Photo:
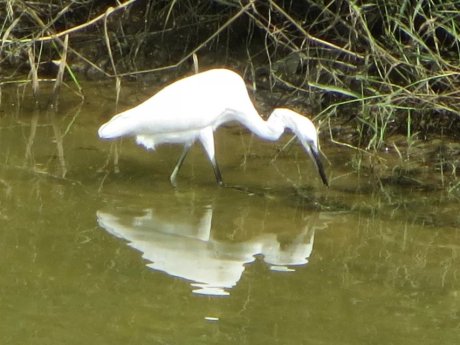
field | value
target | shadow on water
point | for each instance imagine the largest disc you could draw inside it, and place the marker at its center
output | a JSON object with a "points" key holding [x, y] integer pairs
{"points": [[359, 262]]}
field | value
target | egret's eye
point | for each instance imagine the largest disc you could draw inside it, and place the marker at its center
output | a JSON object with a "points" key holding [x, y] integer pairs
{"points": [[311, 143]]}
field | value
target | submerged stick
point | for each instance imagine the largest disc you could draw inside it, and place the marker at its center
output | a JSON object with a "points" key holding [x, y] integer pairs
{"points": [[60, 74]]}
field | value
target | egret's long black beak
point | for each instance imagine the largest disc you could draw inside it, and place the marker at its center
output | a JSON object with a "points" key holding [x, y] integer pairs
{"points": [[319, 165]]}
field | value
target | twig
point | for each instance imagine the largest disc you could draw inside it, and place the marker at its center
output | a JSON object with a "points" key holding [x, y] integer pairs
{"points": [[196, 49], [50, 37], [312, 38]]}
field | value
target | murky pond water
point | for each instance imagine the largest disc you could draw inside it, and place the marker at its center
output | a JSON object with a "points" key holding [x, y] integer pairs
{"points": [[94, 256]]}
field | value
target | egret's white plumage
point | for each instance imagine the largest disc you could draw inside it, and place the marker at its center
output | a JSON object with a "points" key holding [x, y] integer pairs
{"points": [[190, 109]]}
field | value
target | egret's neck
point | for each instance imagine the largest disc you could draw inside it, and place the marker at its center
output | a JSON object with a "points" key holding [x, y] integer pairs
{"points": [[271, 129]]}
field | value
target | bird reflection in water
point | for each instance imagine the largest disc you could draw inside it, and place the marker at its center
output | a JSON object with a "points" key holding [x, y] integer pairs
{"points": [[185, 248]]}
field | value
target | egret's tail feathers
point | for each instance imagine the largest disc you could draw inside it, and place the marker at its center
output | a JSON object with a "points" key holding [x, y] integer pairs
{"points": [[118, 126]]}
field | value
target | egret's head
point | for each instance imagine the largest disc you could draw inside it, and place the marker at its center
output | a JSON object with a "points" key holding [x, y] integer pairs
{"points": [[306, 132]]}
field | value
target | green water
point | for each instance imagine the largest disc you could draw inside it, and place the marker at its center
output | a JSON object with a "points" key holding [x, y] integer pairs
{"points": [[94, 256]]}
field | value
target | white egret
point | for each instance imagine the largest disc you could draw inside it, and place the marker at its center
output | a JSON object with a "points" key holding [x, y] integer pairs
{"points": [[192, 108]]}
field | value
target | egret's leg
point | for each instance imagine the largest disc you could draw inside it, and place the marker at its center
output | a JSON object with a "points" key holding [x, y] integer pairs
{"points": [[207, 139], [173, 176], [217, 173]]}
